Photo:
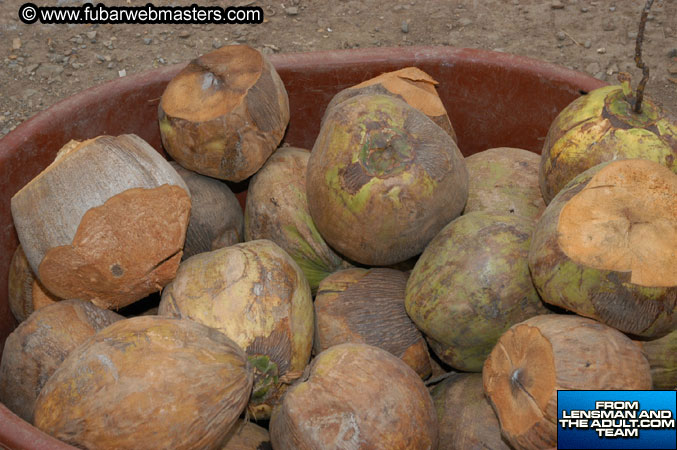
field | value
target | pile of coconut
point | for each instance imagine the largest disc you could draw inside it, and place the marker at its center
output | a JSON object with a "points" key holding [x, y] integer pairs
{"points": [[379, 290]]}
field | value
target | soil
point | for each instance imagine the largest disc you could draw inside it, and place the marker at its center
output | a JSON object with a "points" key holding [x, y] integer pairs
{"points": [[42, 64]]}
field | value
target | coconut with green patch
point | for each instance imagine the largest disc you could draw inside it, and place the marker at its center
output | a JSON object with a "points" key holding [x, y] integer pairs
{"points": [[383, 179], [504, 180], [605, 247], [471, 284], [662, 356], [277, 209], [256, 295]]}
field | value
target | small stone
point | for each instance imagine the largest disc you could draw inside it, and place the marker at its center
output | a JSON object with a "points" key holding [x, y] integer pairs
{"points": [[632, 35], [162, 61], [184, 34], [601, 50], [122, 73], [584, 9], [557, 5], [267, 51], [587, 44], [110, 65], [77, 39], [292, 11], [609, 25], [612, 8], [216, 44], [32, 67], [612, 69], [673, 69], [650, 17], [465, 22], [48, 70], [147, 41], [91, 35], [28, 93], [592, 68], [405, 27], [100, 57], [16, 44], [561, 35]]}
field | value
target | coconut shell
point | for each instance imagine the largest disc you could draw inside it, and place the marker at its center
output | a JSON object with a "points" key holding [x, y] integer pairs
{"points": [[277, 209], [247, 436], [367, 306], [605, 247], [662, 356], [412, 85], [38, 346], [105, 222], [256, 295], [466, 419], [471, 284], [383, 179], [504, 181], [356, 396], [26, 294], [147, 382], [216, 218], [541, 355], [599, 127], [225, 113]]}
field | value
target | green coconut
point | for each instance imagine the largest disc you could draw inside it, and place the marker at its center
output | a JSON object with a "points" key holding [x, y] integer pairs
{"points": [[383, 179], [605, 247], [255, 294], [504, 181], [662, 356], [471, 284], [277, 210], [602, 126]]}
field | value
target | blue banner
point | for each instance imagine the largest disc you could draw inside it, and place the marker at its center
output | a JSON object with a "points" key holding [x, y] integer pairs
{"points": [[616, 420]]}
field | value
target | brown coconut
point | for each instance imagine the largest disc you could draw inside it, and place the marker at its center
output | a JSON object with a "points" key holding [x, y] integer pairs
{"points": [[26, 294], [147, 382], [541, 355], [255, 294], [38, 346], [105, 222], [605, 247], [224, 113], [466, 419], [504, 180], [277, 209], [367, 306], [410, 84], [247, 436], [216, 218], [356, 396]]}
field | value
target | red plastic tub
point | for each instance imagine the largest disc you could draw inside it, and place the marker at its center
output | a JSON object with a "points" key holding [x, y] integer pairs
{"points": [[493, 100]]}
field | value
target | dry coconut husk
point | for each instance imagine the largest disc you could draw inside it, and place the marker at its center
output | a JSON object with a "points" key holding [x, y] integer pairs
{"points": [[224, 113], [25, 294], [105, 222]]}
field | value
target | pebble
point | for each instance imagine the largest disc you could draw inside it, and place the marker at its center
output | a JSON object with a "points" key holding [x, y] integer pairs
{"points": [[216, 44], [110, 65], [48, 70], [585, 9], [162, 61], [100, 57], [77, 39], [91, 35], [122, 73], [609, 25], [601, 50], [32, 67], [612, 69], [612, 8], [292, 11], [147, 41], [184, 34], [561, 35], [405, 26], [587, 44], [592, 68], [557, 5], [465, 22], [632, 35], [673, 69], [16, 44], [28, 93]]}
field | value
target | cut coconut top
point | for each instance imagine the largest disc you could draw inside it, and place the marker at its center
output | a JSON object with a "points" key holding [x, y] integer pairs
{"points": [[213, 84], [625, 220], [415, 86]]}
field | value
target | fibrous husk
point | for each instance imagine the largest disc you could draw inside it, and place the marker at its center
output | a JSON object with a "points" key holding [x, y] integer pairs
{"points": [[224, 113], [105, 222], [383, 179], [277, 209], [662, 356], [25, 293], [411, 84], [256, 295], [356, 396], [471, 284], [216, 218], [247, 436], [147, 382], [605, 247], [466, 419], [38, 346], [504, 181], [601, 126], [544, 354]]}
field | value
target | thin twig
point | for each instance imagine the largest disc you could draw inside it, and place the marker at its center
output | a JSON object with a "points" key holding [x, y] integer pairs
{"points": [[572, 38], [638, 58]]}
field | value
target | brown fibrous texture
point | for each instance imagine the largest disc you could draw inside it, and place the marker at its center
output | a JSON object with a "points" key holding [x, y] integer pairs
{"points": [[25, 293]]}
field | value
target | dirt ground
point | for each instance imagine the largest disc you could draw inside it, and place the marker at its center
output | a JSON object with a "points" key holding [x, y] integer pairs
{"points": [[42, 64]]}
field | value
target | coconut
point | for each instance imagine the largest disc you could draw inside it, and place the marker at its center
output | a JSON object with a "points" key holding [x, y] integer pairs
{"points": [[38, 346], [277, 209], [224, 113], [411, 85], [247, 436], [504, 181], [356, 396], [471, 284], [105, 222], [662, 356], [605, 247], [25, 294], [216, 218], [602, 126], [256, 295], [544, 354], [383, 179], [367, 306], [147, 382], [465, 417]]}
